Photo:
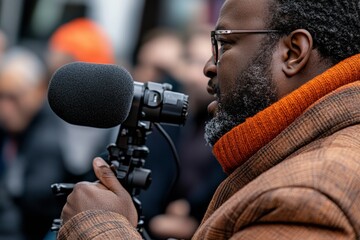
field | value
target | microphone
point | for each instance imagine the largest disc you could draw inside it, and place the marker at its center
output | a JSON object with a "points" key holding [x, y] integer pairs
{"points": [[93, 95]]}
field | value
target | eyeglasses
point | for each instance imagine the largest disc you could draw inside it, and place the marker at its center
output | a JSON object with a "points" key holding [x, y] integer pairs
{"points": [[214, 41]]}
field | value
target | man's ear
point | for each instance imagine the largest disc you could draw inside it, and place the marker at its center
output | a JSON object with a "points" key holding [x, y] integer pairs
{"points": [[298, 46]]}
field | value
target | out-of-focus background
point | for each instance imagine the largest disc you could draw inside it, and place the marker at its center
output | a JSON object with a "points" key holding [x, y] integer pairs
{"points": [[31, 22], [156, 40]]}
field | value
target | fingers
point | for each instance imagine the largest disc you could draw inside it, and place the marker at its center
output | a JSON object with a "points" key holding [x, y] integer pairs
{"points": [[66, 213], [106, 176], [72, 207]]}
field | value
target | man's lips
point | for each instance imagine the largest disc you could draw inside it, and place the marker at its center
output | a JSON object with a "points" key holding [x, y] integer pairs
{"points": [[212, 108]]}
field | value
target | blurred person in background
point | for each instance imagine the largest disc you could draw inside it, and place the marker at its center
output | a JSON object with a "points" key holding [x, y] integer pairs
{"points": [[31, 153], [189, 199], [157, 60], [32, 133], [81, 39], [169, 56], [3, 42], [158, 57]]}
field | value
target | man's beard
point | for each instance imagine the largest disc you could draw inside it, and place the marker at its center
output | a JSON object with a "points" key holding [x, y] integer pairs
{"points": [[254, 92]]}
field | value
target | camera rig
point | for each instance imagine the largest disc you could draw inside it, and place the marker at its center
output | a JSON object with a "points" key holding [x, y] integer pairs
{"points": [[153, 103]]}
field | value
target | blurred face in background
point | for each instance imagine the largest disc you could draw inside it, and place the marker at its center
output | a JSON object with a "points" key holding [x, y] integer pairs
{"points": [[159, 55], [197, 53], [20, 97], [3, 42]]}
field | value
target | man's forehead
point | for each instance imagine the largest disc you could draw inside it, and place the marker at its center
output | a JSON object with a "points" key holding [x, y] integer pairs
{"points": [[243, 14]]}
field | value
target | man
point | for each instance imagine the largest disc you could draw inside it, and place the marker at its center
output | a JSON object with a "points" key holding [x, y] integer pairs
{"points": [[285, 128]]}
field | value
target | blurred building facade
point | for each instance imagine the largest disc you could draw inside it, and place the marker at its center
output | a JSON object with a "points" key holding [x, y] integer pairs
{"points": [[31, 22]]}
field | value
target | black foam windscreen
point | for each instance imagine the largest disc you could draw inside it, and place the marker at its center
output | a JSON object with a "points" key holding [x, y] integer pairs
{"points": [[93, 95]]}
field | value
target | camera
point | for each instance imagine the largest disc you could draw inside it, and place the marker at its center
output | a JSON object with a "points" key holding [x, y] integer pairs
{"points": [[155, 102]]}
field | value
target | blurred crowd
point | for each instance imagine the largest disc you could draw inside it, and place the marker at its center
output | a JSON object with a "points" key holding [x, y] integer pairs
{"points": [[38, 149]]}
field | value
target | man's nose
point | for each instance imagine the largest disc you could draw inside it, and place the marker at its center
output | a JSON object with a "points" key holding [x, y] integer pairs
{"points": [[210, 71], [210, 68]]}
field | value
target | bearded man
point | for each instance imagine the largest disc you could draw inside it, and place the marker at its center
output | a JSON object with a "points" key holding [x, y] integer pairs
{"points": [[285, 127]]}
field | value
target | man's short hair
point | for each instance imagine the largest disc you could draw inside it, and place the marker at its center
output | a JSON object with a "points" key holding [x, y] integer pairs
{"points": [[333, 24]]}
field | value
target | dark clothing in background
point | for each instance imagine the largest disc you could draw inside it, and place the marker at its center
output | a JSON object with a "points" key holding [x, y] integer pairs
{"points": [[197, 163], [27, 204], [200, 171]]}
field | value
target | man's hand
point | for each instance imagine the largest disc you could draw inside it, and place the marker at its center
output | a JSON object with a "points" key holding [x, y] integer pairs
{"points": [[106, 194]]}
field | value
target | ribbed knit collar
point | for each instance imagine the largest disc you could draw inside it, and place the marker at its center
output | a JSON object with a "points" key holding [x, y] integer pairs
{"points": [[239, 144]]}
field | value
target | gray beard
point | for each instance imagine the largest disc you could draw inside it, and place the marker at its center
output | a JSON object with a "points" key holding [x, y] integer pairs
{"points": [[253, 93]]}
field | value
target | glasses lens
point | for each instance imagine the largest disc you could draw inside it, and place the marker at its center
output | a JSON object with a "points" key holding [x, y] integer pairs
{"points": [[214, 48]]}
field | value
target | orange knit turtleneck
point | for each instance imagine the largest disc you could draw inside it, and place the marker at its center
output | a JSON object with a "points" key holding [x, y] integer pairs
{"points": [[236, 146]]}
